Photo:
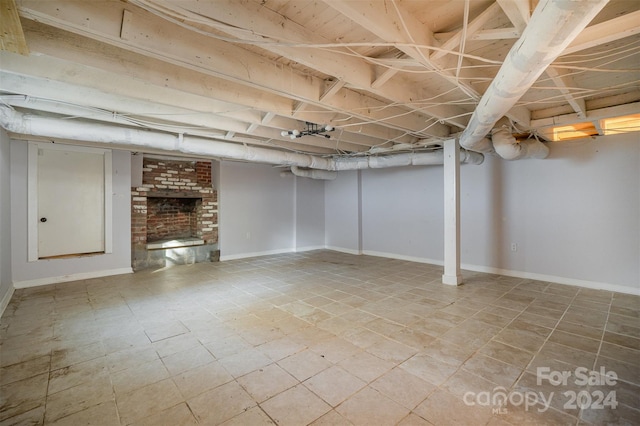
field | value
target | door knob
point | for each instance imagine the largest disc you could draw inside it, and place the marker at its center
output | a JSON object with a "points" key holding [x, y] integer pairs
{"points": [[43, 219]]}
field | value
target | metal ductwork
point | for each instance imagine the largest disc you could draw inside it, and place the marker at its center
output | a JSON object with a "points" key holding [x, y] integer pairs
{"points": [[109, 134], [553, 26]]}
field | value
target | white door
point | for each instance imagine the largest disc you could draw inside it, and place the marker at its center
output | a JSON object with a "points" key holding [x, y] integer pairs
{"points": [[70, 202]]}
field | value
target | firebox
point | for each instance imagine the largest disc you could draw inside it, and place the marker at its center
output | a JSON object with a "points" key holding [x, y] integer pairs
{"points": [[174, 215]]}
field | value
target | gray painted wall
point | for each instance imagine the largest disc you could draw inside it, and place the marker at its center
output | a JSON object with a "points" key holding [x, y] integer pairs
{"points": [[256, 210], [310, 215], [27, 273], [5, 220], [573, 216]]}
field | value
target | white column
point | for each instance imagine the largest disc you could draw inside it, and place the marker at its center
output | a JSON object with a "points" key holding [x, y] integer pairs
{"points": [[452, 274]]}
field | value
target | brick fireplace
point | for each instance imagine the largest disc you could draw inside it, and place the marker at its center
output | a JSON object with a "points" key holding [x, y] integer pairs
{"points": [[174, 214]]}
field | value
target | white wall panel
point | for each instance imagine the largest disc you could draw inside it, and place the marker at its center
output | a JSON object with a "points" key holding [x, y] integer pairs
{"points": [[256, 210], [310, 214], [342, 216]]}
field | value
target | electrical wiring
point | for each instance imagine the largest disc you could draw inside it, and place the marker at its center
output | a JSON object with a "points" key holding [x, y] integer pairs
{"points": [[270, 40]]}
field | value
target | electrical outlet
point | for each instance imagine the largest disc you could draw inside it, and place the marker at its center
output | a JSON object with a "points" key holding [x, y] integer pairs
{"points": [[514, 247]]}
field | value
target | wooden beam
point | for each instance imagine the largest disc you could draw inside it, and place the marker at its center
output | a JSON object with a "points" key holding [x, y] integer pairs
{"points": [[343, 67], [11, 34], [496, 34], [473, 27], [564, 82], [184, 54], [606, 32], [517, 11], [592, 115]]}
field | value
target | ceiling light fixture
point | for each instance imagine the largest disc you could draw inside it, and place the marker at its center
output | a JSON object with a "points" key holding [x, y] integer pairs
{"points": [[311, 130]]}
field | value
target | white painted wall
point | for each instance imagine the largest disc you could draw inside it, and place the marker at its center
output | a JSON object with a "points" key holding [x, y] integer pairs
{"points": [[6, 286], [575, 216], [310, 214], [342, 212], [256, 210], [402, 213], [57, 270]]}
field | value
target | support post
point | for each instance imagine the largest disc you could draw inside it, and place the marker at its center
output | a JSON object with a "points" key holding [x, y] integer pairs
{"points": [[452, 274]]}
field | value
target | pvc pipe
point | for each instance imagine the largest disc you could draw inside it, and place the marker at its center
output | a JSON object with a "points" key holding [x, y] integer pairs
{"points": [[553, 26]]}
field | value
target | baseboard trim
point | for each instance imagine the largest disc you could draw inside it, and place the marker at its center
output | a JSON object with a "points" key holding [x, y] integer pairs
{"points": [[71, 277], [506, 272], [403, 257], [5, 300], [255, 254], [554, 279], [343, 250], [309, 248]]}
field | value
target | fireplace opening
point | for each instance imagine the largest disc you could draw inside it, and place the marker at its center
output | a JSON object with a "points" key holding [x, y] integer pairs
{"points": [[173, 222]]}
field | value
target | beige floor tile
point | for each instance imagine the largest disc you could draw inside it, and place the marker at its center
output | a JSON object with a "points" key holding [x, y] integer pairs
{"points": [[296, 406], [23, 396], [104, 414], [175, 344], [403, 387], [267, 382], [67, 356], [448, 352], [462, 382], [220, 404], [140, 376], [130, 358], [253, 416], [443, 408], [148, 400], [493, 370], [334, 385], [335, 350], [33, 417], [304, 364], [187, 360], [429, 369], [366, 366], [575, 341], [201, 379], [505, 353], [97, 335], [332, 418], [78, 398], [362, 337], [76, 374], [178, 415], [245, 362], [391, 350], [24, 370], [413, 420], [280, 348], [369, 407]]}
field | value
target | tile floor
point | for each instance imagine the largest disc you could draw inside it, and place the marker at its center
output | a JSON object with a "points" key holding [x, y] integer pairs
{"points": [[317, 338]]}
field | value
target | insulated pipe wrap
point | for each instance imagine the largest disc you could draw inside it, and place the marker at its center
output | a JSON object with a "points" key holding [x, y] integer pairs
{"points": [[19, 123]]}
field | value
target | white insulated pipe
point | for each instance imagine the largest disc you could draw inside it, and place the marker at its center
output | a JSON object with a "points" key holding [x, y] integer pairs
{"points": [[553, 26], [314, 173], [47, 127], [507, 147]]}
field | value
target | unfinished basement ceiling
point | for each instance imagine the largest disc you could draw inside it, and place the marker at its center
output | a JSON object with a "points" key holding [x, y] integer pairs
{"points": [[388, 75]]}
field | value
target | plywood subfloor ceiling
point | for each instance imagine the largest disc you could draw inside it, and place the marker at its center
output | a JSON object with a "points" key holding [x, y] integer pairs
{"points": [[388, 75]]}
